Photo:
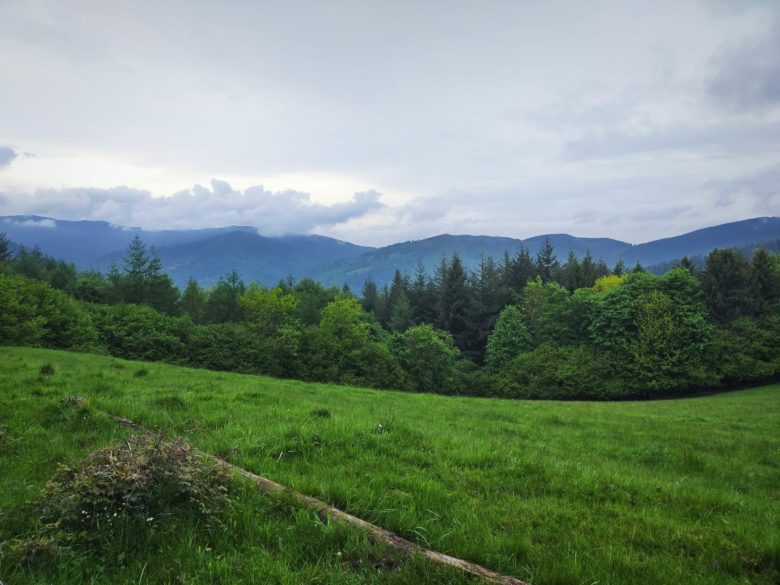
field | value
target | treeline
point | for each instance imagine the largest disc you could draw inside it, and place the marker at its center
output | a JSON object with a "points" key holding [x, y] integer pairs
{"points": [[522, 326]]}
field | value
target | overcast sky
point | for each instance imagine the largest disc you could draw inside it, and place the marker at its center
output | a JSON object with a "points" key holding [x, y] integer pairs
{"points": [[376, 122]]}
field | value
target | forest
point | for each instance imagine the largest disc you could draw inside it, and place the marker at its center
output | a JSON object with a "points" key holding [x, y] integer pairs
{"points": [[519, 326]]}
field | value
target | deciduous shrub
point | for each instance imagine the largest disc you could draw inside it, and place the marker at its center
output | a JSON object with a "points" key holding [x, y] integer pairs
{"points": [[427, 355], [34, 313], [573, 372], [138, 332]]}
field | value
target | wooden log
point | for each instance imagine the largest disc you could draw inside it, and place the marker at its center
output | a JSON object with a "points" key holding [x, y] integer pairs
{"points": [[375, 533]]}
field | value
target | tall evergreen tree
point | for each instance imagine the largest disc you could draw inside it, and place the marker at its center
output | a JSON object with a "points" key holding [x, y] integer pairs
{"points": [[520, 270], [571, 273], [454, 299], [142, 279], [620, 268], [5, 248], [727, 286], [369, 296], [590, 271], [688, 264], [223, 302], [193, 301], [547, 264], [765, 281]]}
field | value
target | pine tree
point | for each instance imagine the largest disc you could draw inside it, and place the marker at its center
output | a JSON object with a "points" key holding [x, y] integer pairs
{"points": [[142, 279], [519, 270], [547, 264], [454, 299], [402, 315], [571, 273], [193, 301], [727, 285], [688, 264], [765, 281], [620, 268], [589, 271], [369, 296], [222, 305]]}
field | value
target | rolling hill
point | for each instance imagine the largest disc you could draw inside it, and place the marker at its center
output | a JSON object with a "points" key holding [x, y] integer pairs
{"points": [[207, 254]]}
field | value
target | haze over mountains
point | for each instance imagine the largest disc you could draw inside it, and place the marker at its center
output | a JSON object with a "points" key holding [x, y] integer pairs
{"points": [[207, 254]]}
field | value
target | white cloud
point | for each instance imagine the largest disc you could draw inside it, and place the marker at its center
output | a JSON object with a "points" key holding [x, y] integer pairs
{"points": [[42, 223], [272, 213]]}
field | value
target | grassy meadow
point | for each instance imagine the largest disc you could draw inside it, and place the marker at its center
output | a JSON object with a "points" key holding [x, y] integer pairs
{"points": [[678, 491]]}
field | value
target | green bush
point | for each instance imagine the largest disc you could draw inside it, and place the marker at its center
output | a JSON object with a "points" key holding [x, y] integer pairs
{"points": [[141, 333], [34, 313], [226, 346], [428, 356], [747, 350], [560, 372]]}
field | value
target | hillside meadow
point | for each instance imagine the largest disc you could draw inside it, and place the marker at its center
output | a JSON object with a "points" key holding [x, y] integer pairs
{"points": [[678, 491]]}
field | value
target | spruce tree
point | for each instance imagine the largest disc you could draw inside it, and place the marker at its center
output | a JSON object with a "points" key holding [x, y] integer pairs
{"points": [[547, 264]]}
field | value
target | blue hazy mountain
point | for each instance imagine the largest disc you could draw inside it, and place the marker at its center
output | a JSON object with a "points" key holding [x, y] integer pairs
{"points": [[255, 257], [207, 254], [86, 242]]}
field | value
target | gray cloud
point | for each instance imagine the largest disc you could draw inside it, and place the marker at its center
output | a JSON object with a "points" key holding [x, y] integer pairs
{"points": [[760, 189], [727, 138], [507, 118], [7, 155], [271, 213], [747, 77]]}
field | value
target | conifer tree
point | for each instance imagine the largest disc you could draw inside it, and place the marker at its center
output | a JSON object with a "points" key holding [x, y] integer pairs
{"points": [[547, 264]]}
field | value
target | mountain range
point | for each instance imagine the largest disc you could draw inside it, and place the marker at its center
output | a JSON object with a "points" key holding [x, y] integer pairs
{"points": [[207, 254]]}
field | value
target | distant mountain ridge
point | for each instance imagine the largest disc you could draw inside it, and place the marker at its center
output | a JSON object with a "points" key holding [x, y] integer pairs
{"points": [[206, 254]]}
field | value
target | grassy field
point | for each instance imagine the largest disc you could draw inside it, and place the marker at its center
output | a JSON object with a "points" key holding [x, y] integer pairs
{"points": [[680, 491]]}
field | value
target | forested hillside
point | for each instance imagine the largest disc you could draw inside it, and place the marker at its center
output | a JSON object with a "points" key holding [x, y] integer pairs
{"points": [[207, 254], [520, 326]]}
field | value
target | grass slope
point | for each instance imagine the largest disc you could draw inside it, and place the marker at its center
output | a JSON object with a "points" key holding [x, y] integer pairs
{"points": [[682, 491]]}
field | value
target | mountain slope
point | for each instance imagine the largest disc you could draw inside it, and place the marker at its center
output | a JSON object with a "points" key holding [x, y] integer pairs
{"points": [[86, 242], [380, 264], [256, 258], [701, 242], [207, 254]]}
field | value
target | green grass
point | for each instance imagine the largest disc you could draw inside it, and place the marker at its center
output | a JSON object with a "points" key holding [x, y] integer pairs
{"points": [[679, 491]]}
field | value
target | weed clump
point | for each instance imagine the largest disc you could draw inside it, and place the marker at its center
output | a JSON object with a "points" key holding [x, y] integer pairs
{"points": [[142, 480], [141, 373], [47, 370], [36, 552], [321, 413]]}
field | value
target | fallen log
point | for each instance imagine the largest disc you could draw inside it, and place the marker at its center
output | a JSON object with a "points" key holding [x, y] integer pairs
{"points": [[326, 511], [374, 532]]}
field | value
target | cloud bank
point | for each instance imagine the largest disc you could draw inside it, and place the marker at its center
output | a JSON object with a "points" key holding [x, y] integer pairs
{"points": [[272, 213]]}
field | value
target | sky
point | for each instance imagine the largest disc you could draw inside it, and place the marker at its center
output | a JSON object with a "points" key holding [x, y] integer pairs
{"points": [[378, 122]]}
